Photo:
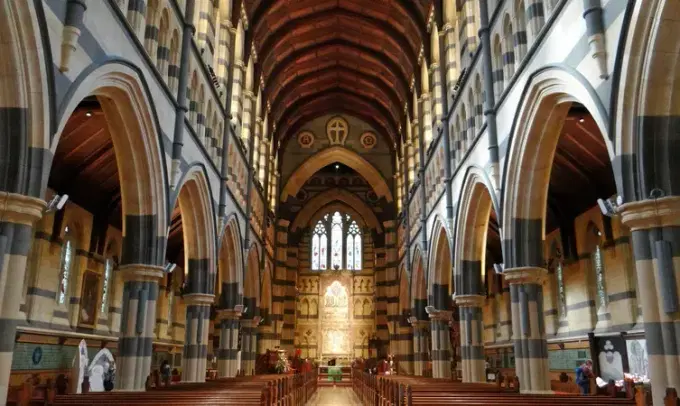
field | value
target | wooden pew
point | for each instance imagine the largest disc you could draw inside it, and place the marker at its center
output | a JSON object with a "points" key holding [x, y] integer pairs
{"points": [[262, 390], [409, 390]]}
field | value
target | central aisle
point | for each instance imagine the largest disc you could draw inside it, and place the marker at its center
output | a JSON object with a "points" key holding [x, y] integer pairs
{"points": [[340, 396]]}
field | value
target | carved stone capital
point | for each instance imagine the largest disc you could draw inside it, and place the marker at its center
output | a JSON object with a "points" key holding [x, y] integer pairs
{"points": [[646, 214], [199, 299], [469, 300], [21, 209], [526, 274], [141, 272]]}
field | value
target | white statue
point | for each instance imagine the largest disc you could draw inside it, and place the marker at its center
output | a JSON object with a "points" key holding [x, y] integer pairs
{"points": [[79, 368], [98, 368]]}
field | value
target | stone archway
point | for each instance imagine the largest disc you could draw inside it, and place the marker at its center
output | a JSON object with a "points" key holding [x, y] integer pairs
{"points": [[548, 99], [230, 301], [198, 226], [332, 155], [251, 317], [439, 300], [419, 320], [349, 199], [473, 216], [646, 170]]}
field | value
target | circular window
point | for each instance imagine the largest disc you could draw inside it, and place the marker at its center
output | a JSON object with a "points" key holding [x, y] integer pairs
{"points": [[368, 140], [306, 139]]}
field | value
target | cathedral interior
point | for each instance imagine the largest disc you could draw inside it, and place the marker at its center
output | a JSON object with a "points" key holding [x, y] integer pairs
{"points": [[477, 191]]}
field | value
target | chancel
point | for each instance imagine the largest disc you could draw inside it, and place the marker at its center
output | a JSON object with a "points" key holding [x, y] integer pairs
{"points": [[378, 202]]}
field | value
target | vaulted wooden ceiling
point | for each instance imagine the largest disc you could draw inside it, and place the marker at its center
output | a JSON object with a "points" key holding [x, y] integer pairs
{"points": [[84, 165], [357, 57]]}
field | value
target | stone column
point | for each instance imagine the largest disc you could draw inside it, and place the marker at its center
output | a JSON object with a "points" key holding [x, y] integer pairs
{"points": [[528, 329], [441, 343], [420, 350], [197, 328], [249, 344], [138, 319], [17, 217], [471, 337], [227, 357], [656, 245]]}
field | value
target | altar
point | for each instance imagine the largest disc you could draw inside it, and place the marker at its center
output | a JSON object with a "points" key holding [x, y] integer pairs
{"points": [[335, 315]]}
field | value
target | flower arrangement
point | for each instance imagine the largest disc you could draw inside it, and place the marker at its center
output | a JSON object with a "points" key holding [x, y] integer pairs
{"points": [[282, 364]]}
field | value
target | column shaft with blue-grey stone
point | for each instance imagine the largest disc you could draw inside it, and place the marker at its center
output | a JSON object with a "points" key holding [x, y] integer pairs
{"points": [[655, 226], [17, 217], [138, 320], [227, 356], [471, 337], [196, 336], [421, 339], [249, 344], [441, 343], [528, 328]]}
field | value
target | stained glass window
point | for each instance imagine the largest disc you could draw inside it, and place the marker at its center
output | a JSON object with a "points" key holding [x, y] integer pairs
{"points": [[107, 280], [171, 305], [353, 247], [336, 241], [319, 243], [350, 252], [66, 265], [599, 277], [345, 250], [357, 252], [561, 294]]}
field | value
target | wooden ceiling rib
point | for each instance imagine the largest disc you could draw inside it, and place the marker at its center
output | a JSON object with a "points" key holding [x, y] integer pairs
{"points": [[364, 48]]}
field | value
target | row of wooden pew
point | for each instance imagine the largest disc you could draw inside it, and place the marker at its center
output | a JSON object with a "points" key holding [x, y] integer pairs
{"points": [[397, 390], [261, 390]]}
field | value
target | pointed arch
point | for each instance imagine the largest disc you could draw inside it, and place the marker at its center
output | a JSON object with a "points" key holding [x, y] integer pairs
{"points": [[439, 270], [24, 93], [351, 200], [472, 222], [545, 103], [332, 155], [251, 283], [127, 104], [199, 228], [419, 289], [230, 264]]}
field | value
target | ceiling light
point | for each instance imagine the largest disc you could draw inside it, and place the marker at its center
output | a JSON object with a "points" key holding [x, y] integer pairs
{"points": [[337, 166], [581, 120], [88, 114]]}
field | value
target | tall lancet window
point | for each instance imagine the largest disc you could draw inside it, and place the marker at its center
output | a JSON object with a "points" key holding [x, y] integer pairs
{"points": [[108, 268], [345, 238], [67, 251], [353, 247], [336, 241], [319, 247]]}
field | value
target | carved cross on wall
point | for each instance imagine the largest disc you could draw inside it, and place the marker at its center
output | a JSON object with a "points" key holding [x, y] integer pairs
{"points": [[337, 131]]}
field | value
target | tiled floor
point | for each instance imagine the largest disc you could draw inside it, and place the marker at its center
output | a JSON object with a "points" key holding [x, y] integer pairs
{"points": [[338, 396]]}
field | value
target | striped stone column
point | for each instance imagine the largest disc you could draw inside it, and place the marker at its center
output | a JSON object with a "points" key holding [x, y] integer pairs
{"points": [[136, 15], [656, 246], [197, 328], [441, 343], [249, 344], [421, 338], [227, 356], [19, 213], [528, 328], [138, 319], [535, 18], [451, 57], [471, 337]]}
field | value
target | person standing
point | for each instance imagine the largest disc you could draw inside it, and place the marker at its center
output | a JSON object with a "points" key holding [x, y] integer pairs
{"points": [[583, 375], [165, 372]]}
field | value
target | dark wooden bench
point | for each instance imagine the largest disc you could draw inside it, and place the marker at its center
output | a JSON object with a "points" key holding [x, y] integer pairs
{"points": [[264, 390], [410, 390]]}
